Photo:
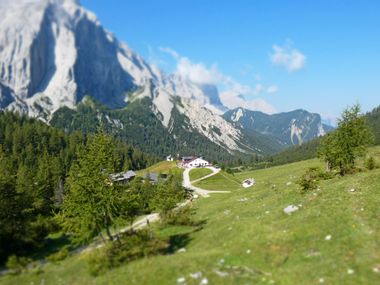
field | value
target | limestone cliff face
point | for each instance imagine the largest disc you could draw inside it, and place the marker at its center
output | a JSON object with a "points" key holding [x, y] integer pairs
{"points": [[54, 52]]}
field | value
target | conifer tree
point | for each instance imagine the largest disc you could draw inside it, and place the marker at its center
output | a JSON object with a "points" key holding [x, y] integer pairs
{"points": [[349, 141], [92, 201]]}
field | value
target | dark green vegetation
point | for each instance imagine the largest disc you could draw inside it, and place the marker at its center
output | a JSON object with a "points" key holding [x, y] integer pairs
{"points": [[35, 160], [341, 148], [305, 151], [373, 119], [93, 201]]}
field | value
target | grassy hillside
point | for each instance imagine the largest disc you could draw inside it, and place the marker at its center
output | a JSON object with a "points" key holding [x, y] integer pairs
{"points": [[334, 237], [197, 173], [160, 167], [221, 181]]}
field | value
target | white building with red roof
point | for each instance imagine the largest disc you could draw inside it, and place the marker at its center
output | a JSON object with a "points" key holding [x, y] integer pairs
{"points": [[189, 161]]}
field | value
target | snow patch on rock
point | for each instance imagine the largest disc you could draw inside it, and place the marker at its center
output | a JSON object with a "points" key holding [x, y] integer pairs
{"points": [[237, 115], [295, 132]]}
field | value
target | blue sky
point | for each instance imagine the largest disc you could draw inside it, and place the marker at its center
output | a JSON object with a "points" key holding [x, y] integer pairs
{"points": [[317, 55]]}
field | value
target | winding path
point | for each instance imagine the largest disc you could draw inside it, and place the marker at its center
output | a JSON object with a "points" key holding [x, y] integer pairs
{"points": [[144, 221], [202, 192]]}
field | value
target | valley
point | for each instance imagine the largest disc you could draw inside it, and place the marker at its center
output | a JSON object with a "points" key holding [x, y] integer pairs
{"points": [[189, 142]]}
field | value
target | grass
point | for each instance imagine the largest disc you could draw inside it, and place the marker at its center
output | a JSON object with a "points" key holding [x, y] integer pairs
{"points": [[221, 181], [249, 240], [160, 167], [197, 173]]}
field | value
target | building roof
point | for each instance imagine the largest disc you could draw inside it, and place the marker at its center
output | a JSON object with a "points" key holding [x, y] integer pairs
{"points": [[123, 175], [188, 157], [152, 177], [195, 158]]}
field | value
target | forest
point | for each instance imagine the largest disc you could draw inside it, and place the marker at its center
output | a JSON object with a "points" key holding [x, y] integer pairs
{"points": [[35, 161]]}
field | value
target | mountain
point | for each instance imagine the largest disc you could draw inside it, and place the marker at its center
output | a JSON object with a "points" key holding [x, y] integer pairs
{"points": [[289, 128], [138, 126], [54, 52], [55, 55]]}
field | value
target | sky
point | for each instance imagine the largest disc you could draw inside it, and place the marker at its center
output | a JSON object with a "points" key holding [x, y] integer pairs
{"points": [[321, 56]]}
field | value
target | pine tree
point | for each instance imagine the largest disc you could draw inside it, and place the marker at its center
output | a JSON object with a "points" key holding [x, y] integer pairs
{"points": [[341, 148], [92, 201]]}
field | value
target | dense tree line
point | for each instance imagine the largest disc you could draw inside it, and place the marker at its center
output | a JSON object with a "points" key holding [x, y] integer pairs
{"points": [[35, 160], [373, 119], [296, 153]]}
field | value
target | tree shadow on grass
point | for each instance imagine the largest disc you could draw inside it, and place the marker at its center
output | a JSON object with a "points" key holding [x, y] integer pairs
{"points": [[52, 245], [179, 241]]}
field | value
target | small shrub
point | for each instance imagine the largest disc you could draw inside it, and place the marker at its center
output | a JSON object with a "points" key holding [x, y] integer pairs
{"points": [[370, 163], [130, 246], [17, 264], [181, 216], [309, 180], [96, 263], [58, 256]]}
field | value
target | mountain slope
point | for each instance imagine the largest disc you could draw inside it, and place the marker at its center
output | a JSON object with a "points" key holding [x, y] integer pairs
{"points": [[290, 128], [139, 126]]}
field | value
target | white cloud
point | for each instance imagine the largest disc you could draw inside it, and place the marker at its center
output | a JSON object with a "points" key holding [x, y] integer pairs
{"points": [[259, 88], [198, 72], [329, 119], [169, 51], [195, 72], [233, 99], [272, 89], [292, 59], [231, 96], [258, 77]]}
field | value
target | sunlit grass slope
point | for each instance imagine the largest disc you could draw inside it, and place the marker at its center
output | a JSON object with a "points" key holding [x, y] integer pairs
{"points": [[160, 167], [197, 173], [334, 237]]}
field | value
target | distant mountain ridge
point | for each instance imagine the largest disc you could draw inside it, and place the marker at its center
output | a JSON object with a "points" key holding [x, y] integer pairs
{"points": [[289, 128]]}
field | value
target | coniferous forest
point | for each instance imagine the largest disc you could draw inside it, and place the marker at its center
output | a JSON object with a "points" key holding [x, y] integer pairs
{"points": [[35, 160]]}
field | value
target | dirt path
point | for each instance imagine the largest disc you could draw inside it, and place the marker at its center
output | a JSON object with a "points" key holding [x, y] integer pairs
{"points": [[202, 192], [141, 223], [144, 221]]}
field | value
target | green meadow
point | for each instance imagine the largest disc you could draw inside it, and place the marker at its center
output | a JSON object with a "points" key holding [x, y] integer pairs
{"points": [[244, 237], [198, 173]]}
